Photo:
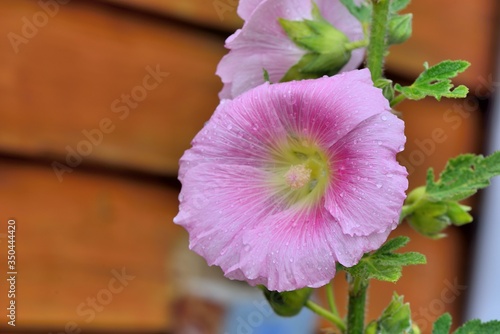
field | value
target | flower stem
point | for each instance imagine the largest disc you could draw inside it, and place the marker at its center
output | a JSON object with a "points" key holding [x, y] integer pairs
{"points": [[357, 303], [378, 41], [356, 44], [331, 298], [398, 99], [335, 319]]}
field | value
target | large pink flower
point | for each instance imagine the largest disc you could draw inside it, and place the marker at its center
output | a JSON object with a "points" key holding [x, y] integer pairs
{"points": [[289, 178], [263, 44]]}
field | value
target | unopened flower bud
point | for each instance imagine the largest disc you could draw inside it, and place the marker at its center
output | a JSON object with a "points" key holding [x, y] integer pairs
{"points": [[288, 303], [430, 218], [327, 52], [400, 28]]}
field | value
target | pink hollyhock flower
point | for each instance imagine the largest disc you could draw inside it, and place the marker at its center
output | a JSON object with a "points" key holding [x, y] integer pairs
{"points": [[289, 178], [262, 43]]}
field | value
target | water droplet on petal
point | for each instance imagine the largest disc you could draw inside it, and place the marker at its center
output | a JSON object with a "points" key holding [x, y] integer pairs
{"points": [[401, 148], [384, 117], [379, 143], [379, 185]]}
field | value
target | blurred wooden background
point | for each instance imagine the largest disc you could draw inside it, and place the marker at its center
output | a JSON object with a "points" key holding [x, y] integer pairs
{"points": [[98, 100]]}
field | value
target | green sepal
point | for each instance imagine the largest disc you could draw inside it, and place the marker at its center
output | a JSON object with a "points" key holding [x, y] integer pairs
{"points": [[315, 65], [326, 46], [384, 264], [435, 81], [288, 303], [266, 76], [387, 88], [396, 318], [459, 214], [397, 5], [363, 12], [400, 29]]}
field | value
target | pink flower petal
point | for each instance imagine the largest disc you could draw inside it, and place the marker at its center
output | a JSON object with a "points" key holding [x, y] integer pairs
{"points": [[227, 200], [368, 186], [292, 250], [247, 7]]}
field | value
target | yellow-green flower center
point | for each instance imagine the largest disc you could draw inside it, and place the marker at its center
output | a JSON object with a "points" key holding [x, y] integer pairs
{"points": [[300, 172], [298, 176]]}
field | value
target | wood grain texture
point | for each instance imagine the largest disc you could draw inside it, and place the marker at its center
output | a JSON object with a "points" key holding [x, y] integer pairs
{"points": [[79, 68], [220, 14], [76, 237]]}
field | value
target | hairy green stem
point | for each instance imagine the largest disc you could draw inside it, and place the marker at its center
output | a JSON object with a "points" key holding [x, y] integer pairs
{"points": [[378, 38], [398, 99], [331, 298], [357, 303], [335, 319]]}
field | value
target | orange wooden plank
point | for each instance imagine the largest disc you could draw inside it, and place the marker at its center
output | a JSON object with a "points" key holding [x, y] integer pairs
{"points": [[213, 13], [450, 30], [92, 251], [437, 131], [141, 89]]}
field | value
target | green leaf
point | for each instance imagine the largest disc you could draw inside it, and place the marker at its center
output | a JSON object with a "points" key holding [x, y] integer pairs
{"points": [[462, 177], [477, 327], [442, 324], [362, 12], [435, 81], [384, 264]]}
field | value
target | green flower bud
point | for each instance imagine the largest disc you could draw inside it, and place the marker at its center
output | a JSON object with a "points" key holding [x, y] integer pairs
{"points": [[430, 218], [400, 28], [326, 46], [288, 303]]}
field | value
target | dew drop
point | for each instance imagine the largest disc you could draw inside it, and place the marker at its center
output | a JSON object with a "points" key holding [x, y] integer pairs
{"points": [[291, 260], [379, 185], [401, 148], [384, 117], [379, 143]]}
